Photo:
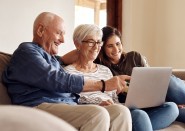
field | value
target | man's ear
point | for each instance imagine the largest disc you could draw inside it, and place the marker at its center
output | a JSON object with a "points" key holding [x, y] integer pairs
{"points": [[40, 30]]}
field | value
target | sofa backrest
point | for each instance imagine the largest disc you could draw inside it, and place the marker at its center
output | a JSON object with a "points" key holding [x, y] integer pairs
{"points": [[179, 73], [4, 60]]}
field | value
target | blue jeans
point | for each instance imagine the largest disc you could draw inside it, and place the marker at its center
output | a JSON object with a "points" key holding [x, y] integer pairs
{"points": [[176, 93], [176, 90], [181, 116], [154, 118]]}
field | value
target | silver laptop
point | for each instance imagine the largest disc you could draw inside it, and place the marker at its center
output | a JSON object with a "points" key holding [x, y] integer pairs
{"points": [[148, 87]]}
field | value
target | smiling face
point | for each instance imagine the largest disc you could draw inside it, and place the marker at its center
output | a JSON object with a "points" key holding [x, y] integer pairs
{"points": [[87, 52], [88, 41], [53, 37], [113, 49], [49, 32]]}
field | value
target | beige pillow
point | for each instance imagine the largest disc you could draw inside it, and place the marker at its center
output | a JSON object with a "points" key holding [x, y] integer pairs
{"points": [[19, 118]]}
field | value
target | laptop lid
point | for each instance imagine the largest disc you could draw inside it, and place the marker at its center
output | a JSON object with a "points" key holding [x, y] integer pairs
{"points": [[148, 87]]}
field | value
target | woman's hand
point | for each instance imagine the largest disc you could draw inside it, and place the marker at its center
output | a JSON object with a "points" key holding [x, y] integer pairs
{"points": [[181, 106], [106, 103]]}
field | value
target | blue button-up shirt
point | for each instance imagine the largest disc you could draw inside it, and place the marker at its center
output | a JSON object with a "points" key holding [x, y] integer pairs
{"points": [[34, 76]]}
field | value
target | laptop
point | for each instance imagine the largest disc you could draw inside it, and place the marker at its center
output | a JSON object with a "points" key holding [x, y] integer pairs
{"points": [[148, 87]]}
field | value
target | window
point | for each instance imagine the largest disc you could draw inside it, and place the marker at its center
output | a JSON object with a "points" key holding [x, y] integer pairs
{"points": [[91, 12], [100, 12]]}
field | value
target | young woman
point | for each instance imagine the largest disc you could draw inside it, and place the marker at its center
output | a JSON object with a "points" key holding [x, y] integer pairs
{"points": [[120, 62], [88, 43]]}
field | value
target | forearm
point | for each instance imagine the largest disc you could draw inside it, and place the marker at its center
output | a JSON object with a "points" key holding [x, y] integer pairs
{"points": [[115, 83], [91, 85], [144, 61], [70, 57], [109, 85]]}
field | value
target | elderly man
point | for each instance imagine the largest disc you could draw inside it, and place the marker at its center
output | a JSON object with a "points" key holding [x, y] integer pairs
{"points": [[35, 78]]}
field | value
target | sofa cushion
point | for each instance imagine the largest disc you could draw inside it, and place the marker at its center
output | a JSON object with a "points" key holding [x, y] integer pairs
{"points": [[4, 97], [19, 118], [176, 126]]}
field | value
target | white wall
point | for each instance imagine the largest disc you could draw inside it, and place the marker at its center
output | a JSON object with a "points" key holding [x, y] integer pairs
{"points": [[17, 16], [156, 28]]}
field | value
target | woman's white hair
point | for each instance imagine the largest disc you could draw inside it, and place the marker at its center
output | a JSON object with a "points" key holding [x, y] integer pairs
{"points": [[84, 30]]}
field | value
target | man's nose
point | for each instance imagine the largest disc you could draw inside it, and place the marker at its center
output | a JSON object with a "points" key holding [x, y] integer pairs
{"points": [[61, 39]]}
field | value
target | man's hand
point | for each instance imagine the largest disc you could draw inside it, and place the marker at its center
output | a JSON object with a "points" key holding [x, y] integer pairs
{"points": [[117, 83]]}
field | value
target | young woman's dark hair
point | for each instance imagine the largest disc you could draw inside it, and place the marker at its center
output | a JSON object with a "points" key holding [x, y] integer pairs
{"points": [[109, 31]]}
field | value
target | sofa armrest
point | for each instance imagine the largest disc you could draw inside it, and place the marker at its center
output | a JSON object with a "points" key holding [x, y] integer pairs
{"points": [[179, 73], [19, 118]]}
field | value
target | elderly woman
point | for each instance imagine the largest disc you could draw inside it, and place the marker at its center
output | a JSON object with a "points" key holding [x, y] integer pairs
{"points": [[88, 41]]}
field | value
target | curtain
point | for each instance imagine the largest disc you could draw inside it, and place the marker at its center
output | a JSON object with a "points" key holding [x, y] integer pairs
{"points": [[114, 14]]}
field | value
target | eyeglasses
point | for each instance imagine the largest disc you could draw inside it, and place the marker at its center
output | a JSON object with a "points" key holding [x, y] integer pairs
{"points": [[92, 43]]}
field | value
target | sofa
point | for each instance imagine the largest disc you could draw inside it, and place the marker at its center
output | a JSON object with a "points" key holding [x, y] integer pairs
{"points": [[6, 102], [20, 118]]}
